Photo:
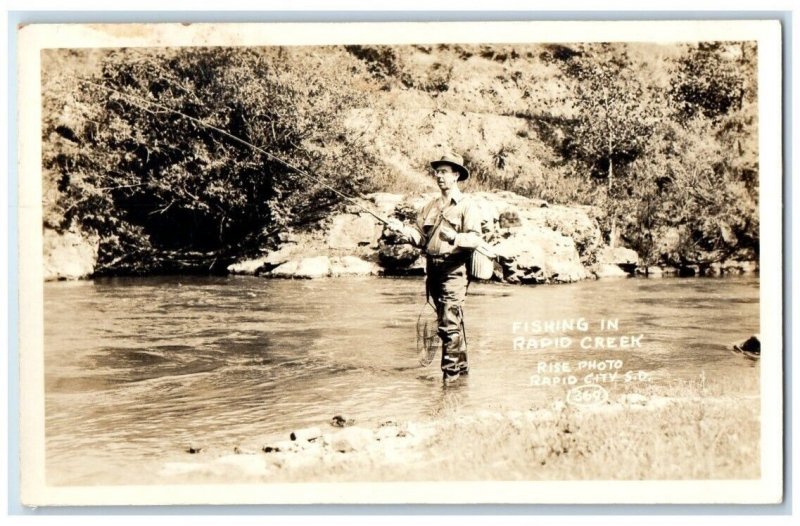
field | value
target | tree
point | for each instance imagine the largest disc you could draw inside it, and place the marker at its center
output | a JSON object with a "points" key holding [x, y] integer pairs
{"points": [[166, 193], [616, 111]]}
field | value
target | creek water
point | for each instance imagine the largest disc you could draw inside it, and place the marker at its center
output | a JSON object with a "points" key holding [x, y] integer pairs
{"points": [[139, 369]]}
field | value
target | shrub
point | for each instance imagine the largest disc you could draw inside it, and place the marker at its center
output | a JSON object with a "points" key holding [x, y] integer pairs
{"points": [[174, 194]]}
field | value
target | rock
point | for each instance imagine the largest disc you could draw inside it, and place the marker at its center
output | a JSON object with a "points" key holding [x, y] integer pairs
{"points": [[283, 446], [739, 267], [352, 439], [577, 224], [349, 231], [509, 219], [714, 269], [609, 271], [249, 267], [307, 268], [69, 255], [689, 271], [340, 421], [288, 237], [620, 256], [530, 255], [286, 270], [353, 266], [384, 202], [400, 259], [650, 272], [313, 267], [306, 435], [751, 347], [282, 255], [538, 243], [193, 450]]}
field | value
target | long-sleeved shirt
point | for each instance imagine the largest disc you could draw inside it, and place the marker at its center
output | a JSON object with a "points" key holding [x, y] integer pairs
{"points": [[460, 214]]}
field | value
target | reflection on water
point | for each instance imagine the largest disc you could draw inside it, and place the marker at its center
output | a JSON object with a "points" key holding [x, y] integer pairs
{"points": [[137, 369]]}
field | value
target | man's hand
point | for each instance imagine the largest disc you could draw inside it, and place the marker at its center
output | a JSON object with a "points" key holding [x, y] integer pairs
{"points": [[447, 234]]}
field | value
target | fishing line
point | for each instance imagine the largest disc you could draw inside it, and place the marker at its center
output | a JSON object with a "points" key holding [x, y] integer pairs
{"points": [[134, 99]]}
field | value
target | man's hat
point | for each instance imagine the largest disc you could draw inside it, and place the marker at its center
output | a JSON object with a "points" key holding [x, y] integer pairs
{"points": [[454, 160]]}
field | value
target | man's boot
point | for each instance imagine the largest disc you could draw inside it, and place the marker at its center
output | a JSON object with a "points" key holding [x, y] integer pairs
{"points": [[454, 358]]}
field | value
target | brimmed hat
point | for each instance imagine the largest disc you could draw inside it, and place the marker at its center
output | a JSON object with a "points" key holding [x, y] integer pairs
{"points": [[454, 160]]}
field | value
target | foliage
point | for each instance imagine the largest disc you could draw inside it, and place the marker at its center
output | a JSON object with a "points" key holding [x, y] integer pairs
{"points": [[169, 193], [615, 109], [662, 141], [679, 159], [714, 78]]}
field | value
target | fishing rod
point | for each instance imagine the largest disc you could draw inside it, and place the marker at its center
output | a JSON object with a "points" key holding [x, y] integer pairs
{"points": [[299, 171]]}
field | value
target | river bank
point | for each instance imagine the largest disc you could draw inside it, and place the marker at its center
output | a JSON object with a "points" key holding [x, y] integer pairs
{"points": [[688, 430], [535, 242]]}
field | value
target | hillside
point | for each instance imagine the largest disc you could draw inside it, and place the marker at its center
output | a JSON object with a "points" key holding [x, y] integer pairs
{"points": [[659, 140]]}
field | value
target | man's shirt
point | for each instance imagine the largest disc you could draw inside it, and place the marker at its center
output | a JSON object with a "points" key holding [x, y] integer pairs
{"points": [[459, 213]]}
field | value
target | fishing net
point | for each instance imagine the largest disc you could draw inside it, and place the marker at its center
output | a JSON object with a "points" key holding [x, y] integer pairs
{"points": [[428, 341]]}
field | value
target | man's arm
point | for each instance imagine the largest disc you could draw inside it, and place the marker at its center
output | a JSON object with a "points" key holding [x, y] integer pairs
{"points": [[470, 235], [413, 234], [410, 233]]}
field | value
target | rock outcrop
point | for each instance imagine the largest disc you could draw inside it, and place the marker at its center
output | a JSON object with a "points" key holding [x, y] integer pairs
{"points": [[535, 242], [69, 255]]}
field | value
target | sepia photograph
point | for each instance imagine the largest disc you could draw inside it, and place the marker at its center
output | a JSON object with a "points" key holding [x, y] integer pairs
{"points": [[422, 262]]}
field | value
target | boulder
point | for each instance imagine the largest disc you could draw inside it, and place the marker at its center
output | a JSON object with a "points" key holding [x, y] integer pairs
{"points": [[250, 267], [69, 255], [286, 270], [306, 268], [353, 266], [739, 267], [751, 347], [529, 255], [313, 267], [577, 223], [606, 270], [384, 202], [621, 256], [401, 258], [537, 242], [714, 269], [350, 231], [651, 271]]}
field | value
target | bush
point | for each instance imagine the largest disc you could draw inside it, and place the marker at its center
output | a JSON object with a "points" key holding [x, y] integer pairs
{"points": [[166, 193]]}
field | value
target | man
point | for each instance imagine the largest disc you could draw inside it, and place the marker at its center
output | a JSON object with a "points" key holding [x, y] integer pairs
{"points": [[447, 228]]}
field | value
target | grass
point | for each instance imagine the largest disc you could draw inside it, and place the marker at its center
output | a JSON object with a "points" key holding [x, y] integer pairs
{"points": [[681, 429], [690, 439]]}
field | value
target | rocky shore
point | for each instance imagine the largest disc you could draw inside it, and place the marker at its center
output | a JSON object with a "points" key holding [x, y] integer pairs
{"points": [[559, 442], [536, 243]]}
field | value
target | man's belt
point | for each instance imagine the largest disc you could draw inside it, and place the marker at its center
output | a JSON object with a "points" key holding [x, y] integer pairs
{"points": [[451, 257]]}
